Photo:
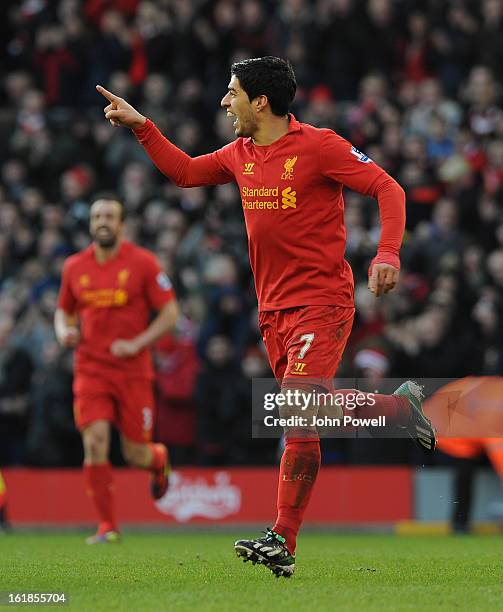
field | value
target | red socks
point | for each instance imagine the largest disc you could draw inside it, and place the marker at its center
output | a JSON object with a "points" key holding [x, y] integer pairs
{"points": [[99, 485], [298, 470], [396, 408], [159, 457], [301, 461]]}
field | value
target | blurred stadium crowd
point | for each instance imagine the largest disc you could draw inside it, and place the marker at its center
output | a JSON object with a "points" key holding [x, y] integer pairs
{"points": [[416, 85]]}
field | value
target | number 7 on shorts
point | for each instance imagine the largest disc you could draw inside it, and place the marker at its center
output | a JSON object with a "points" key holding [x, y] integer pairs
{"points": [[308, 341]]}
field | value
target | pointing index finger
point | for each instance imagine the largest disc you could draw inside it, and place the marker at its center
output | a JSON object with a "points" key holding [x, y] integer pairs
{"points": [[108, 94], [373, 279]]}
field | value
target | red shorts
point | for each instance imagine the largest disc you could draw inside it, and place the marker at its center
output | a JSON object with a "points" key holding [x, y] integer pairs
{"points": [[126, 402], [306, 344]]}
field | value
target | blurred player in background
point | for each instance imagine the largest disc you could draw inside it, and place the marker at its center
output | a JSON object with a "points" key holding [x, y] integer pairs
{"points": [[107, 294], [291, 176], [3, 505], [468, 414]]}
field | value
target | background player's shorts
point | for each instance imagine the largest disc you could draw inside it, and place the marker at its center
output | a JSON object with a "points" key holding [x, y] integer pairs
{"points": [[305, 344], [127, 402]]}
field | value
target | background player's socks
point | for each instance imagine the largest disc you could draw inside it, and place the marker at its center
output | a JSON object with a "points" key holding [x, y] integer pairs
{"points": [[159, 456], [106, 527], [299, 467], [160, 469], [395, 408], [99, 485]]}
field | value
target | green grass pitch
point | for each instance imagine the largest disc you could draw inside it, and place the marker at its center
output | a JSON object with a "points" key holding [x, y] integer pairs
{"points": [[199, 571]]}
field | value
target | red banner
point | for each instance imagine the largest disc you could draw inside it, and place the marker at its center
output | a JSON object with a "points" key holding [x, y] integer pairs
{"points": [[203, 496]]}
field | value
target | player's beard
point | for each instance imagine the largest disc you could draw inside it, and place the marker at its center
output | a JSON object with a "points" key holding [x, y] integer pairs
{"points": [[107, 241], [246, 127]]}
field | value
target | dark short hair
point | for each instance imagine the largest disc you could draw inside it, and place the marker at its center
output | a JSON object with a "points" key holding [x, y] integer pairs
{"points": [[110, 196], [268, 76]]}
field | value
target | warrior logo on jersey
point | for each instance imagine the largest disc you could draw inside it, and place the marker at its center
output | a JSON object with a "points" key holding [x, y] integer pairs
{"points": [[288, 165], [360, 156], [163, 281], [248, 168]]}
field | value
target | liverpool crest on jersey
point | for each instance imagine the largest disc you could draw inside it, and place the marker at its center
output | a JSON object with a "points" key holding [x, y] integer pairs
{"points": [[289, 165]]}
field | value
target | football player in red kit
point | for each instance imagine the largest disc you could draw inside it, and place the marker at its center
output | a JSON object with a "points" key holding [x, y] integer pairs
{"points": [[107, 295], [291, 177]]}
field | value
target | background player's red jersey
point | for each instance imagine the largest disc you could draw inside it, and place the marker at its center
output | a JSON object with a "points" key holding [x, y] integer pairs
{"points": [[113, 300]]}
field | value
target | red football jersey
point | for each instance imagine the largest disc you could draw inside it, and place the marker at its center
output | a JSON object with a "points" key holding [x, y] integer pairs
{"points": [[113, 300], [291, 192]]}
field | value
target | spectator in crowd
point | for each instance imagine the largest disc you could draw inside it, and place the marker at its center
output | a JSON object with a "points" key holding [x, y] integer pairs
{"points": [[177, 367], [16, 370], [216, 396], [53, 439]]}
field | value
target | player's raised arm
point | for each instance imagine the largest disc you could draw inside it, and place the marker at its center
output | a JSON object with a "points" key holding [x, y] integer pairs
{"points": [[119, 112], [345, 164], [212, 169]]}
